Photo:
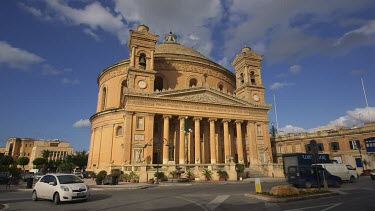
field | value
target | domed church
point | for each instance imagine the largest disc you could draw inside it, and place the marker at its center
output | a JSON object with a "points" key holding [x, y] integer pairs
{"points": [[170, 106]]}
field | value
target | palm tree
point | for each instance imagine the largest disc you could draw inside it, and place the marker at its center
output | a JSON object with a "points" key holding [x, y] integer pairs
{"points": [[45, 154]]}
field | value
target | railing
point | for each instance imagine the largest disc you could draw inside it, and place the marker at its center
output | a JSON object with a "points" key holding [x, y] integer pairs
{"points": [[170, 167]]}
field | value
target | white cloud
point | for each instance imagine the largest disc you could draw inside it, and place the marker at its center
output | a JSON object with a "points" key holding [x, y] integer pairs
{"points": [[50, 70], [91, 33], [188, 19], [292, 129], [285, 27], [295, 69], [93, 16], [82, 123], [279, 85], [68, 81], [224, 62], [16, 57], [356, 116], [363, 35]]}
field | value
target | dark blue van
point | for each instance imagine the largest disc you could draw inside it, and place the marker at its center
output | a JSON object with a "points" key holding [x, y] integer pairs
{"points": [[306, 176]]}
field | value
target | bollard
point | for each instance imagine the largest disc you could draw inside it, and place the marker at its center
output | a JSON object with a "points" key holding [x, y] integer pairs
{"points": [[258, 186]]}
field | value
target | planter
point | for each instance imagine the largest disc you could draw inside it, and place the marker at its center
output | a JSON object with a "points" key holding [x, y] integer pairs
{"points": [[99, 182], [132, 180], [222, 179], [151, 181], [367, 172]]}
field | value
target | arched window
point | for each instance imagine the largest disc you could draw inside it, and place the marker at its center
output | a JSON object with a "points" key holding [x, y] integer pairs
{"points": [[252, 78], [242, 80], [104, 97], [220, 87], [193, 82], [158, 84], [142, 61], [119, 131]]}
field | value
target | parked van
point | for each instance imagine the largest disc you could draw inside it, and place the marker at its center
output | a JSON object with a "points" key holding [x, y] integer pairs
{"points": [[340, 170], [307, 176]]}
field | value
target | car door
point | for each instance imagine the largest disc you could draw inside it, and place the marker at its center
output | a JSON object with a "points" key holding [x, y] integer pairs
{"points": [[50, 189], [41, 187]]}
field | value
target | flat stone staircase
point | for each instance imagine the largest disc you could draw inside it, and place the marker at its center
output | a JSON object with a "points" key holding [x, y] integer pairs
{"points": [[253, 172]]}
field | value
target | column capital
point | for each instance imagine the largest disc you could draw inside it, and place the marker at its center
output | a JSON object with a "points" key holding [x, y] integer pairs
{"points": [[196, 118], [167, 116], [251, 121], [238, 121], [226, 120], [212, 119], [182, 117]]}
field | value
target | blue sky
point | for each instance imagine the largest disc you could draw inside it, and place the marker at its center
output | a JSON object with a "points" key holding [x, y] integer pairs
{"points": [[316, 53]]}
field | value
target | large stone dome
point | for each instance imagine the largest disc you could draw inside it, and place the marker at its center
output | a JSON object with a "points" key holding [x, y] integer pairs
{"points": [[176, 49]]}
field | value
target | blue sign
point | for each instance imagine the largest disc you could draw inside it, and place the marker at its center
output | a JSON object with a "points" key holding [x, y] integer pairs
{"points": [[370, 144]]}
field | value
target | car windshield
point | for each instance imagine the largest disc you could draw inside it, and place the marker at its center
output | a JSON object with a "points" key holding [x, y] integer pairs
{"points": [[67, 179]]}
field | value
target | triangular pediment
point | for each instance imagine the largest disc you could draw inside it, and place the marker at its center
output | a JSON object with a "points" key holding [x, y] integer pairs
{"points": [[203, 95]]}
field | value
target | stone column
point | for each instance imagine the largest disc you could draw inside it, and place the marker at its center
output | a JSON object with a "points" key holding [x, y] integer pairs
{"points": [[267, 143], [166, 139], [127, 134], [197, 137], [152, 60], [226, 140], [239, 141], [183, 135], [253, 151], [132, 57], [149, 135], [212, 140]]}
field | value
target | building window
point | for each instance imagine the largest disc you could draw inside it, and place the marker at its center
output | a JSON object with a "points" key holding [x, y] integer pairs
{"points": [[104, 96], [193, 82], [140, 123], [354, 145], [320, 147], [119, 131], [289, 149], [280, 149], [252, 78], [142, 61], [242, 80], [158, 84], [335, 146], [259, 130], [220, 87], [54, 144], [28, 154]]}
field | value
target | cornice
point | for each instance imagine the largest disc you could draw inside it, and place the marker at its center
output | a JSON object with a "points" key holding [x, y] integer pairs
{"points": [[122, 62]]}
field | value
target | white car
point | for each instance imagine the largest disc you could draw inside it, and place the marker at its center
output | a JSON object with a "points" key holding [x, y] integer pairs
{"points": [[61, 187]]}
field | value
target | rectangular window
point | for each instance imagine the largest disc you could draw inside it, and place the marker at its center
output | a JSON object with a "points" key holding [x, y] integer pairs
{"points": [[354, 145], [320, 147], [54, 144], [259, 130], [335, 146], [140, 123]]}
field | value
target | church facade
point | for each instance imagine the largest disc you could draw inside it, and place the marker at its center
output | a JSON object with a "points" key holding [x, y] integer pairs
{"points": [[169, 105]]}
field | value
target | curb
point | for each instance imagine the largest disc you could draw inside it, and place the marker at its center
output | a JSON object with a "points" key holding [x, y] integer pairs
{"points": [[297, 198], [120, 188], [4, 206]]}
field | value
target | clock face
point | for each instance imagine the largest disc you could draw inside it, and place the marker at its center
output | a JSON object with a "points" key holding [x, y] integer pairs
{"points": [[142, 84], [256, 97]]}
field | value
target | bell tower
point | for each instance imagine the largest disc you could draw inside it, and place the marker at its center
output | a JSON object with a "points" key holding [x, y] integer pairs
{"points": [[247, 67], [141, 73]]}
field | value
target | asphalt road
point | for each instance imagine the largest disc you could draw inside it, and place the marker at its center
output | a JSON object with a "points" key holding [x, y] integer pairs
{"points": [[202, 196]]}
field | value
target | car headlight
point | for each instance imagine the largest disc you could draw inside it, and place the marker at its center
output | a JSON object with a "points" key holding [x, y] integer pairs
{"points": [[64, 188]]}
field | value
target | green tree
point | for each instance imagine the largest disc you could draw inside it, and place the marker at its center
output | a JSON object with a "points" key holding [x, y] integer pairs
{"points": [[23, 161], [65, 167], [80, 159], [45, 154], [39, 162], [6, 160]]}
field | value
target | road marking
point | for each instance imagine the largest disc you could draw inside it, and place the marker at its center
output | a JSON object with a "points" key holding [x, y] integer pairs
{"points": [[201, 206], [329, 206], [212, 205]]}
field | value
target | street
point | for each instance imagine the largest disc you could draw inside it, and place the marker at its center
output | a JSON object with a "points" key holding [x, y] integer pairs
{"points": [[201, 196]]}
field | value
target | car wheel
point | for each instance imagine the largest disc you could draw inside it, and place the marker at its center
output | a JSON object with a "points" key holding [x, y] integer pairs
{"points": [[56, 198], [352, 179], [35, 196], [308, 185]]}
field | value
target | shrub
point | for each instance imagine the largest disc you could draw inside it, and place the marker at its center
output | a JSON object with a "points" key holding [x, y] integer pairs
{"points": [[159, 175], [240, 168], [133, 175], [207, 174], [222, 174], [101, 176], [173, 174], [116, 172], [189, 174]]}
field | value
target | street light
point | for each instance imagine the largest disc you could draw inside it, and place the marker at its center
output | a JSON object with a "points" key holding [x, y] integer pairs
{"points": [[157, 143]]}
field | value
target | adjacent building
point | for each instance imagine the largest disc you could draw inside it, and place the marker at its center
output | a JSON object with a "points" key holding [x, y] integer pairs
{"points": [[33, 148], [168, 104], [354, 146]]}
